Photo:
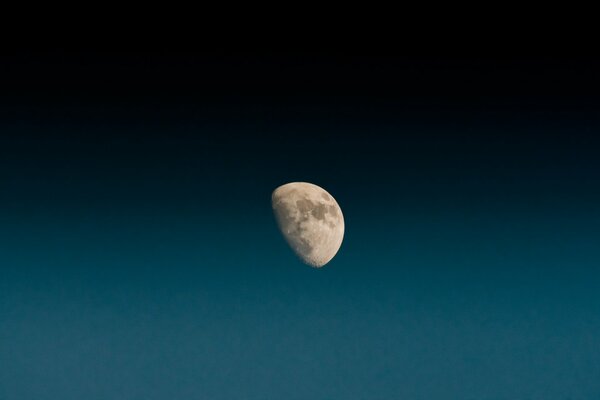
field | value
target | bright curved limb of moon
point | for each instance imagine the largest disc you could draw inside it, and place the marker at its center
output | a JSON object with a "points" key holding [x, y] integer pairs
{"points": [[310, 220]]}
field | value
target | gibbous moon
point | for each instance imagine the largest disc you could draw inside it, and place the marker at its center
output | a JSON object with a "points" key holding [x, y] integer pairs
{"points": [[310, 220]]}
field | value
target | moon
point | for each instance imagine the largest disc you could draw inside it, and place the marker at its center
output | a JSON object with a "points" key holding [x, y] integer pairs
{"points": [[310, 220]]}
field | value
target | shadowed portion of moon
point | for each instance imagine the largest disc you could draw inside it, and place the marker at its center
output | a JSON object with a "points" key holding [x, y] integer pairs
{"points": [[310, 220]]}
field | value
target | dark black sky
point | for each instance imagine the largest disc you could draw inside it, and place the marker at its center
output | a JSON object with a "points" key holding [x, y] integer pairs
{"points": [[368, 81]]}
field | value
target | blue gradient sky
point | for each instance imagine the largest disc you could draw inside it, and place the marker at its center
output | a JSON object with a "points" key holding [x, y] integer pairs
{"points": [[139, 258]]}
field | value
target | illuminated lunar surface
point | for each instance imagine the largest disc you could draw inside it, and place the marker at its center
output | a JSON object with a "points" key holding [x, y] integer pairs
{"points": [[310, 220]]}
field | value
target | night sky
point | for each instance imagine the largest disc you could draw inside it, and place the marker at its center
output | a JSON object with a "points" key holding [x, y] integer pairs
{"points": [[140, 259]]}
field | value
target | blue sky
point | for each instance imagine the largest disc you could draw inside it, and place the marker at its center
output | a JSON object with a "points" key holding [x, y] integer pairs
{"points": [[139, 257]]}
